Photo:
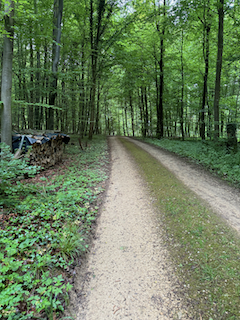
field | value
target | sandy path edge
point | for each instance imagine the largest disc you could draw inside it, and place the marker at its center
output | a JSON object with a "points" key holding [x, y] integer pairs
{"points": [[127, 274]]}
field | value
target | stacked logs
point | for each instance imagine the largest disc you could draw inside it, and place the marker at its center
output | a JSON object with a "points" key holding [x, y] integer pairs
{"points": [[41, 149], [46, 154]]}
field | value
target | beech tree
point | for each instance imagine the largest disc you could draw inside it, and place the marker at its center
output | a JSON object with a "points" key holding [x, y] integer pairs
{"points": [[6, 85], [218, 67], [57, 21]]}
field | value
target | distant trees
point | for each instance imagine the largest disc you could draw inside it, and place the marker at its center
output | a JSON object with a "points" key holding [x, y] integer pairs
{"points": [[150, 69]]}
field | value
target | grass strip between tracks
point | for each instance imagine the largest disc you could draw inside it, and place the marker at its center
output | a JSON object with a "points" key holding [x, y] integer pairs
{"points": [[205, 251]]}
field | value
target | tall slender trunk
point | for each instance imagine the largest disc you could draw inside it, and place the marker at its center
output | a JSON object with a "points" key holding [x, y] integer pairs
{"points": [[206, 33], [146, 113], [58, 10], [126, 122], [93, 73], [141, 106], [218, 68], [37, 109], [98, 111], [30, 107], [82, 107], [6, 88], [159, 132], [182, 90], [132, 114]]}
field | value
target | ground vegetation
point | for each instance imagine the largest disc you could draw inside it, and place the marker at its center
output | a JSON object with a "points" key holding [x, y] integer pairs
{"points": [[46, 223]]}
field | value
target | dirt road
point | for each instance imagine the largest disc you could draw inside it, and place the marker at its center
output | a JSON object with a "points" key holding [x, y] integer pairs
{"points": [[130, 276], [225, 200]]}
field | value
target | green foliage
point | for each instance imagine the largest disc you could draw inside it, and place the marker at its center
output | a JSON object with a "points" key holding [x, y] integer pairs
{"points": [[46, 231], [10, 170]]}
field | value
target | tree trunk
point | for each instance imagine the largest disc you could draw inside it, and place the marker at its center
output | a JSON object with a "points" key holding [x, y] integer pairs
{"points": [[37, 109], [182, 91], [141, 108], [161, 80], [126, 122], [146, 113], [6, 88], [93, 69], [218, 69], [82, 107], [30, 107], [206, 32], [132, 113], [58, 10], [98, 111]]}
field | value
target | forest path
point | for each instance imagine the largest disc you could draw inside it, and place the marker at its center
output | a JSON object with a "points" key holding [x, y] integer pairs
{"points": [[224, 199], [129, 273]]}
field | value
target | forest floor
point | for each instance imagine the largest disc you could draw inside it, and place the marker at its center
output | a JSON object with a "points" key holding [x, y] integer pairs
{"points": [[128, 273]]}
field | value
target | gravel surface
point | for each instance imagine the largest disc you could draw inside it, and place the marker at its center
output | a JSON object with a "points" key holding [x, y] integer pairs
{"points": [[128, 274]]}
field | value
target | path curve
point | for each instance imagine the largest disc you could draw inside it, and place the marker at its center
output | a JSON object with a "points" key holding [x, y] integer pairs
{"points": [[224, 199], [130, 275]]}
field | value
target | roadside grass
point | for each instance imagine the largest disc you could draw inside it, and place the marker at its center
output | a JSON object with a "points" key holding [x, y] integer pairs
{"points": [[215, 157], [204, 250], [43, 233]]}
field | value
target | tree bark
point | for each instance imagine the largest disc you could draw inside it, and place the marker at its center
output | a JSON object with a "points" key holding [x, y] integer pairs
{"points": [[182, 91], [132, 113], [206, 32], [159, 132], [58, 10], [30, 107], [6, 88], [218, 68], [146, 131]]}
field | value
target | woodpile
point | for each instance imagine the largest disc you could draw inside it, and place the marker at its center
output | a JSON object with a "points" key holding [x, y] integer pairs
{"points": [[43, 150]]}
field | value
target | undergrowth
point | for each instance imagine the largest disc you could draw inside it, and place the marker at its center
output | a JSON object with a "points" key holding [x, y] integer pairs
{"points": [[205, 252], [43, 232], [214, 156]]}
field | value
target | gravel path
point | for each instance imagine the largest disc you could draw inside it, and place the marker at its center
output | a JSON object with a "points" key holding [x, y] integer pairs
{"points": [[129, 274], [225, 200]]}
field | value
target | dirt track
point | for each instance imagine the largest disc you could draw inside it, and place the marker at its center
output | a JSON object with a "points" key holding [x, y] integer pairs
{"points": [[128, 274], [225, 200]]}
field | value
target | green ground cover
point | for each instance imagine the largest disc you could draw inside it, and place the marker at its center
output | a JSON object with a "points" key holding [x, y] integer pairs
{"points": [[205, 251], [215, 157], [44, 227]]}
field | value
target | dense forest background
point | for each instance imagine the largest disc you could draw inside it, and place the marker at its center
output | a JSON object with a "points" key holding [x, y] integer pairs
{"points": [[150, 68]]}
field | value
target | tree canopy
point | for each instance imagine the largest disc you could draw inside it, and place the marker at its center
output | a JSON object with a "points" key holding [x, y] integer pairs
{"points": [[154, 68]]}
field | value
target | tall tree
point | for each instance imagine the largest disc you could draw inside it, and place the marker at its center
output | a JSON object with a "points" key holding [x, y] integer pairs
{"points": [[6, 88], [58, 11], [98, 27], [218, 67], [161, 31], [206, 23]]}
